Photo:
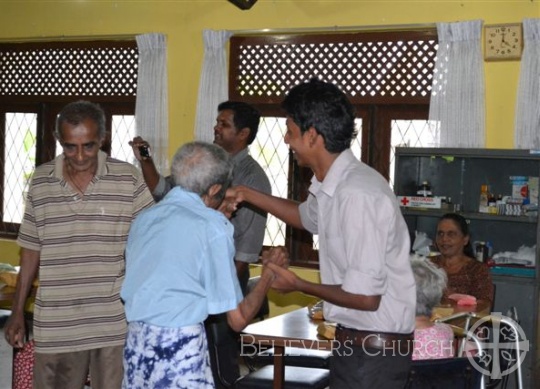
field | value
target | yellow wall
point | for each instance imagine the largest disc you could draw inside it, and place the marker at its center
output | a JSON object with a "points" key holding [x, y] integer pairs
{"points": [[10, 252], [184, 20], [281, 303]]}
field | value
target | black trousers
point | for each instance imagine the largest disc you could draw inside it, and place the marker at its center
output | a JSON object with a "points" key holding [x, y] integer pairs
{"points": [[356, 367]]}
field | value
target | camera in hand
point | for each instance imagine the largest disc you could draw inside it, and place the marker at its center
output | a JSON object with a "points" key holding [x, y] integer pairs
{"points": [[144, 151]]}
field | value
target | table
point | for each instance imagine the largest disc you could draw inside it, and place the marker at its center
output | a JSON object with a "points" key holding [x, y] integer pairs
{"points": [[293, 329], [6, 294], [297, 329], [449, 310]]}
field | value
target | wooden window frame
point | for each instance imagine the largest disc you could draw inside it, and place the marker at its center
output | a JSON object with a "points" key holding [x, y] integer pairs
{"points": [[376, 110], [47, 106]]}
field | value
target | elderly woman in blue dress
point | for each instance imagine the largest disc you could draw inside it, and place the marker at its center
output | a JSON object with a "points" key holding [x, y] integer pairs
{"points": [[180, 269]]}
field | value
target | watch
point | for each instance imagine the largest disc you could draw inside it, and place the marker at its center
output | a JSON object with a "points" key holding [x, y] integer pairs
{"points": [[503, 41]]}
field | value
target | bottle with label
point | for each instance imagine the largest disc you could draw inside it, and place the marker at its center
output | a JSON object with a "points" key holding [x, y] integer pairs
{"points": [[424, 190], [483, 205], [492, 203], [481, 251]]}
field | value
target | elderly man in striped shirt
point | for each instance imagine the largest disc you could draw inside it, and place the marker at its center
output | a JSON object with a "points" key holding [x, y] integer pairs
{"points": [[78, 213]]}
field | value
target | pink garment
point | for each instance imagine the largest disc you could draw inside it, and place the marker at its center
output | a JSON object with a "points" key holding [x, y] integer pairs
{"points": [[434, 342], [463, 299]]}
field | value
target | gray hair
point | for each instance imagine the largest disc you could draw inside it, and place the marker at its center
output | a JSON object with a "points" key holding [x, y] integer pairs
{"points": [[430, 284], [196, 166], [77, 112]]}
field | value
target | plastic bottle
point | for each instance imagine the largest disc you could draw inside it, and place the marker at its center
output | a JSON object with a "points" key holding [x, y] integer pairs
{"points": [[481, 252], [483, 205], [492, 203], [424, 190]]}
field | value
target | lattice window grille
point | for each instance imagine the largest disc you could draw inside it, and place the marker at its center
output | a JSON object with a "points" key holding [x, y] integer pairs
{"points": [[402, 68], [409, 133], [271, 152], [123, 130], [96, 71], [20, 132]]}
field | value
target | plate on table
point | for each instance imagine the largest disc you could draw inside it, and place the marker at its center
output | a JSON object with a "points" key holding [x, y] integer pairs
{"points": [[315, 311]]}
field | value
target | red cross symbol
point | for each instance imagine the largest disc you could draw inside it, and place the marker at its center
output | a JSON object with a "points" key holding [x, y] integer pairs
{"points": [[405, 201]]}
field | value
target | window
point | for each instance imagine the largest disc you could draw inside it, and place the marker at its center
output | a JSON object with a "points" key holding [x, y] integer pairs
{"points": [[20, 160], [271, 152], [386, 75], [36, 81]]}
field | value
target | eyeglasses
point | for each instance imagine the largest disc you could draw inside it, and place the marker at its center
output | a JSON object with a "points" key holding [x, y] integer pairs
{"points": [[449, 234]]}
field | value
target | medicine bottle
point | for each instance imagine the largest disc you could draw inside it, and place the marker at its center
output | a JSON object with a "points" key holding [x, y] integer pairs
{"points": [[483, 204], [424, 190]]}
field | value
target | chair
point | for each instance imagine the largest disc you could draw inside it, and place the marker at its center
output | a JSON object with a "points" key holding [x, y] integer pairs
{"points": [[508, 332], [295, 356], [221, 339], [505, 330], [295, 378], [449, 373], [446, 373], [464, 327]]}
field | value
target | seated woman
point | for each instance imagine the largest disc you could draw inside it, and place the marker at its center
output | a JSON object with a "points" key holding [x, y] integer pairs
{"points": [[431, 340], [465, 274]]}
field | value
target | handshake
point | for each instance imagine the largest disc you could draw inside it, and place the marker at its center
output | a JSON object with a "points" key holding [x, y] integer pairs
{"points": [[276, 262], [276, 259]]}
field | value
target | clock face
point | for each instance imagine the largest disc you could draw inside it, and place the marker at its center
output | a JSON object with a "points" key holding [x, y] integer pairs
{"points": [[503, 41]]}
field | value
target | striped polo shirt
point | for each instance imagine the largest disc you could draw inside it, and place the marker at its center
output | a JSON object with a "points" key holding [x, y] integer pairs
{"points": [[81, 240]]}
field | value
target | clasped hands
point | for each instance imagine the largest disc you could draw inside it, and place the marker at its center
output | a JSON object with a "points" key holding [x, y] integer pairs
{"points": [[276, 261]]}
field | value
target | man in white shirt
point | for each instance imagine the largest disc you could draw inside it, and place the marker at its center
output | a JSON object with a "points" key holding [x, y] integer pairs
{"points": [[367, 282]]}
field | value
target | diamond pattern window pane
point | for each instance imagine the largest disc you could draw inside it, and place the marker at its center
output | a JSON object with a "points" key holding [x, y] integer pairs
{"points": [[20, 157], [271, 152], [20, 161], [410, 133], [123, 130], [356, 145]]}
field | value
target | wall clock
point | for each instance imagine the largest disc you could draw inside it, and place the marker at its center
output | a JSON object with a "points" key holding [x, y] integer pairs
{"points": [[503, 41]]}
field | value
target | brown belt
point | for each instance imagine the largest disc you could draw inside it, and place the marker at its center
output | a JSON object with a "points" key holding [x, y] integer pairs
{"points": [[387, 341]]}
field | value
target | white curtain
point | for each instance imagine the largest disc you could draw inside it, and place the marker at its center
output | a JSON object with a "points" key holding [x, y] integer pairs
{"points": [[527, 120], [457, 106], [151, 109], [213, 85]]}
